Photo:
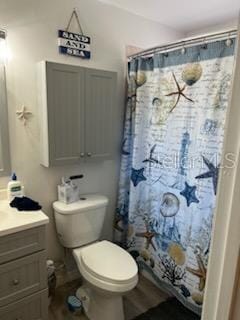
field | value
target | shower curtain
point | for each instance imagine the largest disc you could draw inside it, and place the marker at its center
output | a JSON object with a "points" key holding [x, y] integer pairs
{"points": [[171, 151]]}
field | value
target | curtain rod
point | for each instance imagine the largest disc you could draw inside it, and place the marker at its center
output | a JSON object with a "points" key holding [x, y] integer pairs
{"points": [[184, 43]]}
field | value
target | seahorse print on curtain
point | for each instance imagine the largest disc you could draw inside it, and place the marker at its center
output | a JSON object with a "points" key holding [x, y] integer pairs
{"points": [[171, 151]]}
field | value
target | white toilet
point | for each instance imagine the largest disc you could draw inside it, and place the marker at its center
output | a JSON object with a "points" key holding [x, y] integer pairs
{"points": [[108, 270]]}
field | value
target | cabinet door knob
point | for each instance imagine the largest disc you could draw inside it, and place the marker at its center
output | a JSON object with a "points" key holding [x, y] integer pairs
{"points": [[82, 154], [89, 154], [15, 282]]}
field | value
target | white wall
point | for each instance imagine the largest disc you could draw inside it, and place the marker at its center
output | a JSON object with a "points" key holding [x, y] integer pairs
{"points": [[32, 36], [227, 25]]}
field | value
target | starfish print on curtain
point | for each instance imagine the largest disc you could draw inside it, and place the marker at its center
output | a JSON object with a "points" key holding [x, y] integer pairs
{"points": [[151, 158], [148, 235], [201, 272], [190, 194], [212, 173], [179, 93], [137, 176]]}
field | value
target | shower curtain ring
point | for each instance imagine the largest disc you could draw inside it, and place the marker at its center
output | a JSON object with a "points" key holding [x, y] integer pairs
{"points": [[204, 45], [229, 41], [183, 50]]}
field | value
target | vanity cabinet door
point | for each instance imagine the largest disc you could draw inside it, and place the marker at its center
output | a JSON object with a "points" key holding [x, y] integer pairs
{"points": [[22, 277], [22, 243], [65, 107], [100, 105], [33, 307]]}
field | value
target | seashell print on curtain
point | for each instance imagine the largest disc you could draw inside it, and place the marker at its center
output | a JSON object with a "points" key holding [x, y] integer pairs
{"points": [[171, 151]]}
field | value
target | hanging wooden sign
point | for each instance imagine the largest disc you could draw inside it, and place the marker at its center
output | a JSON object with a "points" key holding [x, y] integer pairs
{"points": [[74, 44]]}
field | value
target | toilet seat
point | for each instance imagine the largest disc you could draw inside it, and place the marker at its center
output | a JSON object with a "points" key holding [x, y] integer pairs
{"points": [[107, 266]]}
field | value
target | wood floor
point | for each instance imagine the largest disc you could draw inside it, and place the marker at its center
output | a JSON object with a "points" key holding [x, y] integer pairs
{"points": [[139, 300]]}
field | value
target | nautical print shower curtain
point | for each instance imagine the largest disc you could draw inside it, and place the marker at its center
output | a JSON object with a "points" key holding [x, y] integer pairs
{"points": [[171, 151]]}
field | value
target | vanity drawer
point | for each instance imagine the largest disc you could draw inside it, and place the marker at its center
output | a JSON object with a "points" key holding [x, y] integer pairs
{"points": [[34, 307], [22, 243], [22, 277]]}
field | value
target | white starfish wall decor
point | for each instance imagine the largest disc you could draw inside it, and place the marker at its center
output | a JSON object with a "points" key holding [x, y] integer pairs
{"points": [[23, 114]]}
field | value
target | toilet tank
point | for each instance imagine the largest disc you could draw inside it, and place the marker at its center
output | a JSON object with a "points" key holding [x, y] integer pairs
{"points": [[81, 222]]}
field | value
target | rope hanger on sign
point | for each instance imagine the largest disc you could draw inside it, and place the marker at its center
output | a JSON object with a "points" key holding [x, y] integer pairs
{"points": [[75, 15]]}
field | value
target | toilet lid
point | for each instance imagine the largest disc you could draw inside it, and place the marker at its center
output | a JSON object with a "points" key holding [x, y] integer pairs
{"points": [[109, 262]]}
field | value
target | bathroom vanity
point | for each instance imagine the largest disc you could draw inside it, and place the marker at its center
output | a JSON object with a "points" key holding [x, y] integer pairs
{"points": [[23, 278]]}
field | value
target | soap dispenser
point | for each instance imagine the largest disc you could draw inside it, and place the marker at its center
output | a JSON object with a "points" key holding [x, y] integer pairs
{"points": [[14, 188]]}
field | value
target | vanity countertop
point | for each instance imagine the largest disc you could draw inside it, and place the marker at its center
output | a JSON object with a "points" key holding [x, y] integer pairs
{"points": [[12, 220]]}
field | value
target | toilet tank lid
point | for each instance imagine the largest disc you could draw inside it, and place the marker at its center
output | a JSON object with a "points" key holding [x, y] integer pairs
{"points": [[86, 202]]}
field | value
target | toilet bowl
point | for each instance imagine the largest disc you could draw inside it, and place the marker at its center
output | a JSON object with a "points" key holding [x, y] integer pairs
{"points": [[108, 272]]}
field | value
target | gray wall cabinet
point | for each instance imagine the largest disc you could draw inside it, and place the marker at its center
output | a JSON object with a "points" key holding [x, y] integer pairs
{"points": [[23, 276], [77, 113]]}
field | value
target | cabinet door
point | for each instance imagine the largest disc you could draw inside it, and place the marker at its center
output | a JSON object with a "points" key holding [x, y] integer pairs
{"points": [[34, 307], [65, 96], [22, 277], [100, 106]]}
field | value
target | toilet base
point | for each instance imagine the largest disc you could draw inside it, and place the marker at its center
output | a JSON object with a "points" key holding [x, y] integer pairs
{"points": [[98, 305]]}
